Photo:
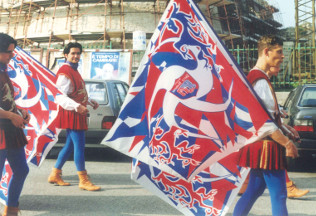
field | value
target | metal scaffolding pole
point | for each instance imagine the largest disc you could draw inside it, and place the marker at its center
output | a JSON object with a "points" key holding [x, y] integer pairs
{"points": [[105, 13], [9, 21], [228, 26], [50, 36], [17, 19], [304, 36], [26, 24], [37, 19], [70, 19], [52, 26], [43, 14], [122, 24]]}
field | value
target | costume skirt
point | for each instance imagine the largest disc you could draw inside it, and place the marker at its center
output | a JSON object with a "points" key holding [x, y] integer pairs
{"points": [[71, 120], [265, 154]]}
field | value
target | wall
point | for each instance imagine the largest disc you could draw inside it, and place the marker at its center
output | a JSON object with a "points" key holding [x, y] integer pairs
{"points": [[141, 16]]}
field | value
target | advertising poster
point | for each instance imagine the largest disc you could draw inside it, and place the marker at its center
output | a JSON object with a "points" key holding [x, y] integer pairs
{"points": [[124, 66], [104, 65]]}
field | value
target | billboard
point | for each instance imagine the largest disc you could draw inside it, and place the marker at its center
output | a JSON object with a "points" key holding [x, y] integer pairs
{"points": [[104, 65]]}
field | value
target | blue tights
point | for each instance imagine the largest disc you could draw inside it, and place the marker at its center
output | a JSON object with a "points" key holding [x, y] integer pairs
{"points": [[20, 169], [258, 181], [75, 142]]}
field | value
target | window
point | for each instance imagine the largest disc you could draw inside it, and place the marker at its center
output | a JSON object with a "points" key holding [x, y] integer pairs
{"points": [[121, 93], [308, 98], [97, 91], [289, 100]]}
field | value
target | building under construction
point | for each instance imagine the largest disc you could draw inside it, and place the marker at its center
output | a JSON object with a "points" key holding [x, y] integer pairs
{"points": [[44, 26]]}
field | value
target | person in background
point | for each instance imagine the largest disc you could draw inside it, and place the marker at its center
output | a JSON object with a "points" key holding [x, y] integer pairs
{"points": [[266, 157], [12, 121], [292, 190], [72, 116]]}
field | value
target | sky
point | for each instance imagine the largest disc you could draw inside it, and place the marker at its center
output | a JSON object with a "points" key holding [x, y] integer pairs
{"points": [[287, 11]]}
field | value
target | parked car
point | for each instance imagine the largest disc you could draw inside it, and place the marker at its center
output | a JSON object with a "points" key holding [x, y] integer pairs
{"points": [[300, 106], [110, 95]]}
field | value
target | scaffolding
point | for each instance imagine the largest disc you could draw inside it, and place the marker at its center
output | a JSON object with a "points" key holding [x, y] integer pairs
{"points": [[242, 23], [221, 19], [49, 24], [304, 59], [27, 10]]}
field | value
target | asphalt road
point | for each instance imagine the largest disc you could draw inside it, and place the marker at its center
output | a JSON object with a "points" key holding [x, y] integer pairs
{"points": [[120, 196]]}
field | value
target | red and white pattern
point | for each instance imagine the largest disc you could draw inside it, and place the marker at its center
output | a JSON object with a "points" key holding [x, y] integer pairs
{"points": [[35, 91], [189, 108]]}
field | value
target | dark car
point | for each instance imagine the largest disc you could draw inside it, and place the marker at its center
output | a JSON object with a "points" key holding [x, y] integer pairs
{"points": [[301, 108], [110, 95]]}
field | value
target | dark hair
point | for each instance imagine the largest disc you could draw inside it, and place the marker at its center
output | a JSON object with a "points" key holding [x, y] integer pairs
{"points": [[268, 41], [5, 41], [72, 45]]}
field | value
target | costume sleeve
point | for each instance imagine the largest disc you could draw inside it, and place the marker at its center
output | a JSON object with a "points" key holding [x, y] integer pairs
{"points": [[65, 86], [262, 89]]}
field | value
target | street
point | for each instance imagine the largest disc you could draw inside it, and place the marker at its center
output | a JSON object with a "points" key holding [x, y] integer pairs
{"points": [[120, 196]]}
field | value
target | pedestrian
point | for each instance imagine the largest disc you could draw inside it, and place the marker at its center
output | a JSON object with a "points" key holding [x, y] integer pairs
{"points": [[12, 121], [292, 190], [72, 117], [266, 157]]}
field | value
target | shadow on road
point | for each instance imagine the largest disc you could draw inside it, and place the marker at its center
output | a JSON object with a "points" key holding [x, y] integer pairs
{"points": [[96, 154], [95, 205]]}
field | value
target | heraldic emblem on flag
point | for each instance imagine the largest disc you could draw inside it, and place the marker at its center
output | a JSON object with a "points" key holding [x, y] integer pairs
{"points": [[189, 106], [35, 92]]}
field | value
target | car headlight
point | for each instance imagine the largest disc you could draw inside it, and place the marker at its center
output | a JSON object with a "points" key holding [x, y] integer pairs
{"points": [[303, 125]]}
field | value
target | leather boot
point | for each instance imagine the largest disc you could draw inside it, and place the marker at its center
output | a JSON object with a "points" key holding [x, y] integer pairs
{"points": [[10, 211], [293, 191], [84, 182], [55, 178]]}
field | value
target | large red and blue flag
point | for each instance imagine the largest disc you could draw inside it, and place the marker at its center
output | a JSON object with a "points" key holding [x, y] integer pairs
{"points": [[35, 92], [189, 105], [210, 192]]}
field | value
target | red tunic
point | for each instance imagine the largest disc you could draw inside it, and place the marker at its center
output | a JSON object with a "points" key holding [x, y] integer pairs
{"points": [[264, 154], [70, 119], [11, 137]]}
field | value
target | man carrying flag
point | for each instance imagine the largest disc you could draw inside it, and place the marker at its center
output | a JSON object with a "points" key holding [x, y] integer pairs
{"points": [[188, 109], [12, 138], [267, 156]]}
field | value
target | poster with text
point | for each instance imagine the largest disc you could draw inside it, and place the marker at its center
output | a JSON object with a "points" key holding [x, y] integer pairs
{"points": [[104, 65], [124, 67]]}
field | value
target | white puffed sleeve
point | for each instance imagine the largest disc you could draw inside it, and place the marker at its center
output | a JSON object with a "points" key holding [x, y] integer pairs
{"points": [[65, 86]]}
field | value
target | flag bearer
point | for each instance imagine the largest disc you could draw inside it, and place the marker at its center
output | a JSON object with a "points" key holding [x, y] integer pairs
{"points": [[266, 158], [72, 116], [12, 138]]}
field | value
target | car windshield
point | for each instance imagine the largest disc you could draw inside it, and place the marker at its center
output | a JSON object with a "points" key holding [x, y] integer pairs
{"points": [[308, 98], [97, 91]]}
